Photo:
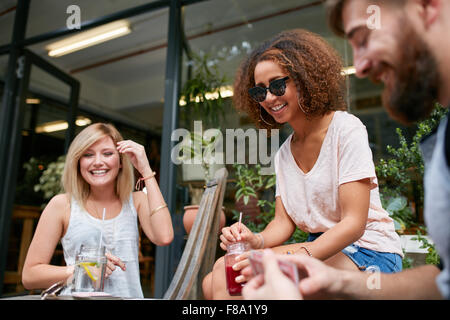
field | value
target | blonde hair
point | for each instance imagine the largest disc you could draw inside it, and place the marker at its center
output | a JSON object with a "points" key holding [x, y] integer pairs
{"points": [[72, 181]]}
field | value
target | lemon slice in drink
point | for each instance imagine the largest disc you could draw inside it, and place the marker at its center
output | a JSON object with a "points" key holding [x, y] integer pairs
{"points": [[85, 266]]}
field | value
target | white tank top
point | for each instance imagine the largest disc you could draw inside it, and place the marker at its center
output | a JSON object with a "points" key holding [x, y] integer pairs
{"points": [[120, 235]]}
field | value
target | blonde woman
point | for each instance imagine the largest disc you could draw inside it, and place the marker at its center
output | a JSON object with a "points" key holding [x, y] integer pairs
{"points": [[98, 175]]}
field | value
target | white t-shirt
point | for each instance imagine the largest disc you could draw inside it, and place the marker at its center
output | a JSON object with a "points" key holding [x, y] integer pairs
{"points": [[312, 199]]}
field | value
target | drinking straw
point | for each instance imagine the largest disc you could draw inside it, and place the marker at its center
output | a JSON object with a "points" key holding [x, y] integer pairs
{"points": [[240, 219], [101, 230]]}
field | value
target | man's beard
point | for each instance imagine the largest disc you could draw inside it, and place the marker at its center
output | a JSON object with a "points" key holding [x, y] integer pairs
{"points": [[416, 83]]}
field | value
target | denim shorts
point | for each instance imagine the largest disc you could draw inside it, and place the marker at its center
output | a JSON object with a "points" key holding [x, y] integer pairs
{"points": [[369, 260]]}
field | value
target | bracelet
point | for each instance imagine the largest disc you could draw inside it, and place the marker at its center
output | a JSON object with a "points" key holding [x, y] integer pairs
{"points": [[307, 251], [140, 180], [261, 243], [157, 209]]}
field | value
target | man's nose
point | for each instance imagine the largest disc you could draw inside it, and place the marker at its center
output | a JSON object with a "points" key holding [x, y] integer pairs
{"points": [[362, 66]]}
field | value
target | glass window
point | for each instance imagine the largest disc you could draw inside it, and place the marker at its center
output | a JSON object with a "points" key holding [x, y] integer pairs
{"points": [[49, 15], [7, 14], [231, 29]]}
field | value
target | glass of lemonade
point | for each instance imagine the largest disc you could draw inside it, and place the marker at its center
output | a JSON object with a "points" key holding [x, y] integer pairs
{"points": [[90, 266]]}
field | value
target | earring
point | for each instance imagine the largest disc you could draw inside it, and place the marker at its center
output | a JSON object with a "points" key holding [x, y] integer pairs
{"points": [[260, 115], [300, 106]]}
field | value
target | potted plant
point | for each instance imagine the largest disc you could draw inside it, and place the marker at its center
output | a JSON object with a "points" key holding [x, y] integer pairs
{"points": [[402, 175], [401, 184], [205, 155], [199, 159], [249, 184], [50, 180], [201, 101]]}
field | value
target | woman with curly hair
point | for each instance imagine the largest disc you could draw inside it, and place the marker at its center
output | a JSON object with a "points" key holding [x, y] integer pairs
{"points": [[325, 177]]}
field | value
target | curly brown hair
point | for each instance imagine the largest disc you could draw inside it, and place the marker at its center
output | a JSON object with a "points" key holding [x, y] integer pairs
{"points": [[313, 65]]}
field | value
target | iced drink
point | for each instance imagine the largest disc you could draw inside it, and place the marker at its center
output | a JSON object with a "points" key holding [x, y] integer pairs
{"points": [[90, 266], [233, 250]]}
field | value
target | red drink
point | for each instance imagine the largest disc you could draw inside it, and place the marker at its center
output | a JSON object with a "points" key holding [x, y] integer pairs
{"points": [[233, 250], [234, 288]]}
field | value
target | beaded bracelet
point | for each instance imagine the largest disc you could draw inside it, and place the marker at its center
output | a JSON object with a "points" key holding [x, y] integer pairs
{"points": [[307, 251], [303, 247]]}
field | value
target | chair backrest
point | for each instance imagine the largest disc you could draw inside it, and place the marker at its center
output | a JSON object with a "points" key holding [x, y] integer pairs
{"points": [[200, 250]]}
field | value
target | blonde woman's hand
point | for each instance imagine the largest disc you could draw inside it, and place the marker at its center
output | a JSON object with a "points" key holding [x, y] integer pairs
{"points": [[112, 262], [136, 154]]}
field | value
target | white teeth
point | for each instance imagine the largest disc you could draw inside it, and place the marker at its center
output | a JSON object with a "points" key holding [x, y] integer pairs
{"points": [[98, 171], [279, 107]]}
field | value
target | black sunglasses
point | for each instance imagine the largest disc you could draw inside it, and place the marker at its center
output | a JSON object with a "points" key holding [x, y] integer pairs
{"points": [[276, 87]]}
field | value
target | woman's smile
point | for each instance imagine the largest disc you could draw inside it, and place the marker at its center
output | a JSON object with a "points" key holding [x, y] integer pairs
{"points": [[277, 109], [99, 173], [100, 164]]}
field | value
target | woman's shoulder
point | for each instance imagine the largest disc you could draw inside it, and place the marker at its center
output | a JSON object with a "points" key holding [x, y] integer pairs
{"points": [[284, 150], [345, 122], [344, 117], [285, 147], [60, 200], [59, 205]]}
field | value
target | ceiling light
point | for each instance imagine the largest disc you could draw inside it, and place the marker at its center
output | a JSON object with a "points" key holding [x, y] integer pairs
{"points": [[89, 38], [52, 126], [33, 101], [82, 121], [60, 125], [225, 92]]}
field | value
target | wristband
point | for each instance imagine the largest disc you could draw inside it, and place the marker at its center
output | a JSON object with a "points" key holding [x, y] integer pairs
{"points": [[140, 180], [261, 243]]}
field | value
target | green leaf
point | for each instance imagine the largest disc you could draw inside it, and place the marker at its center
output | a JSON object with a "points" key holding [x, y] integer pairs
{"points": [[396, 204]]}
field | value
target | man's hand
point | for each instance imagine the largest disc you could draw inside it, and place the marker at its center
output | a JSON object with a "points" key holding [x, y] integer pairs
{"points": [[273, 284]]}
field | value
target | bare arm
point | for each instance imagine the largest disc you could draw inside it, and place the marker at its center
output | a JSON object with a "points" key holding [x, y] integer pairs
{"points": [[321, 281], [324, 281], [157, 226], [412, 284], [280, 229], [37, 272], [276, 232], [354, 199], [156, 221]]}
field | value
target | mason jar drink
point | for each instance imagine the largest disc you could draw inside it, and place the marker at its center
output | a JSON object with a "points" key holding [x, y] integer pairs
{"points": [[233, 250], [90, 266]]}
